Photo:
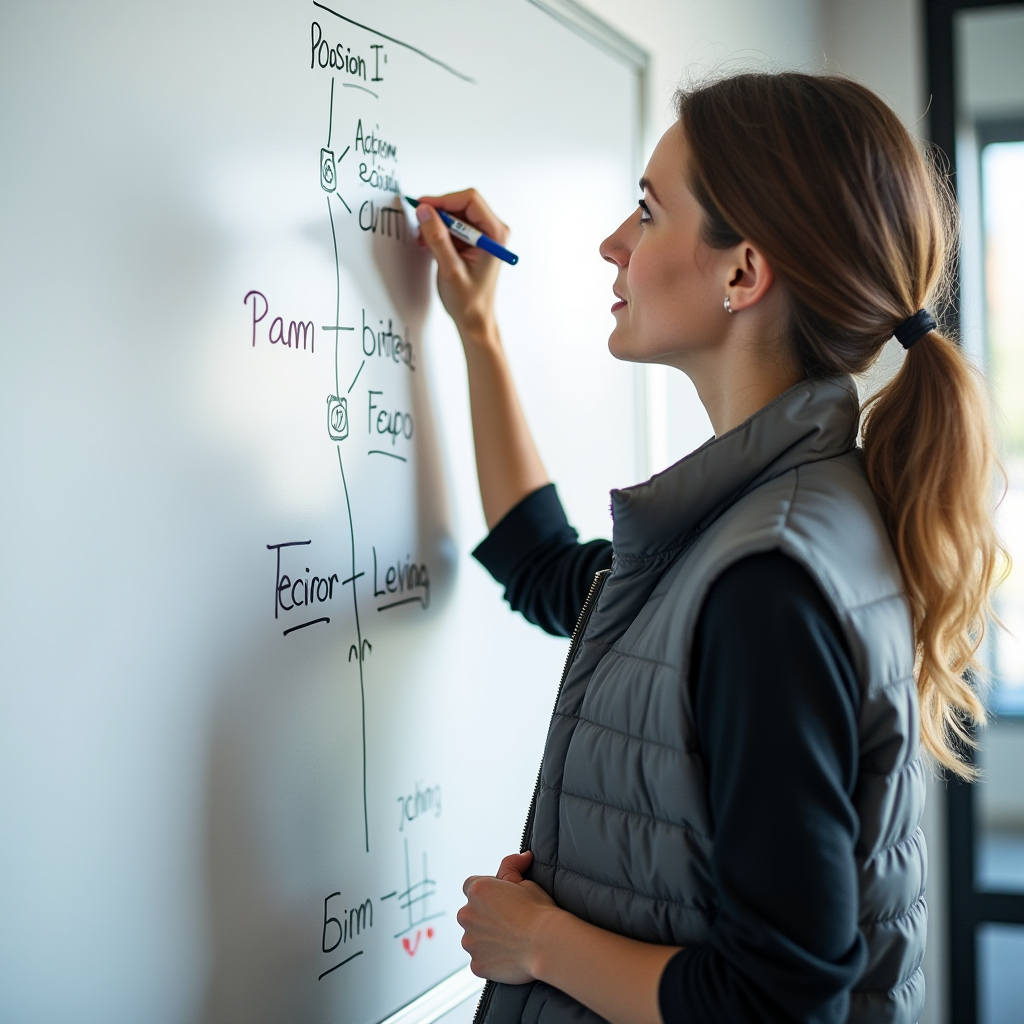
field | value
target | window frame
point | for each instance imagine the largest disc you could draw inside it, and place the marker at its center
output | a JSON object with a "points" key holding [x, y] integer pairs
{"points": [[969, 906]]}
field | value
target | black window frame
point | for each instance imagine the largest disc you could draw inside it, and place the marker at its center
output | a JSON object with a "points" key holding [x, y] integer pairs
{"points": [[969, 906]]}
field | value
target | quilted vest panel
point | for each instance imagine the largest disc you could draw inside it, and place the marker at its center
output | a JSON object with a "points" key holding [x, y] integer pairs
{"points": [[621, 829]]}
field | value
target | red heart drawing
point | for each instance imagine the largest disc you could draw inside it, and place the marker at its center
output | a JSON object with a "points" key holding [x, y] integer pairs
{"points": [[411, 947]]}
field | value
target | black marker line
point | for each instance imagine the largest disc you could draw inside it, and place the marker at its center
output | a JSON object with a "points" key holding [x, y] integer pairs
{"points": [[395, 604], [356, 377], [303, 625], [327, 327], [398, 42], [359, 638], [337, 297], [337, 195], [390, 455], [352, 85], [352, 579], [389, 895], [343, 152], [277, 577], [351, 527], [336, 966], [330, 126]]}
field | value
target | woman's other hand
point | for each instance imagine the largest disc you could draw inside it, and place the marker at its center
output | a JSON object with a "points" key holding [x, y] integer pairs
{"points": [[466, 275], [501, 920]]}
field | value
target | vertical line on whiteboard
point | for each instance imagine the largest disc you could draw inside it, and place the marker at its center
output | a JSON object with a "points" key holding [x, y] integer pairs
{"points": [[337, 306], [359, 642], [330, 117], [408, 885]]}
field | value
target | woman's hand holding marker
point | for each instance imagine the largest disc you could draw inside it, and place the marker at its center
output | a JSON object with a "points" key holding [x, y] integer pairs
{"points": [[507, 464], [471, 236], [466, 275]]}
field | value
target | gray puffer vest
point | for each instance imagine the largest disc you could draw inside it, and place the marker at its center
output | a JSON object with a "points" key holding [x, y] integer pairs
{"points": [[620, 827]]}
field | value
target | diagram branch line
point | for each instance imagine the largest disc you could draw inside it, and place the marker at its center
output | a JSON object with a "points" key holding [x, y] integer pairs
{"points": [[337, 302], [330, 116], [398, 42], [359, 640], [351, 527]]}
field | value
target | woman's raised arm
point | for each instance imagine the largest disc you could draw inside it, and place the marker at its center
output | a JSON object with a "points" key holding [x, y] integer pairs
{"points": [[507, 462]]}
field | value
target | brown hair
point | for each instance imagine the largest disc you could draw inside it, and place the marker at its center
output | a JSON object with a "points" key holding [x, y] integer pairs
{"points": [[821, 175]]}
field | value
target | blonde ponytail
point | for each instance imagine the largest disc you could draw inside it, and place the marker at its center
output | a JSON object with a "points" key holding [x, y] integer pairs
{"points": [[930, 461]]}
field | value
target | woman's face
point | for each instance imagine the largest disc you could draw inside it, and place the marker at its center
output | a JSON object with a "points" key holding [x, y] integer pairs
{"points": [[670, 283]]}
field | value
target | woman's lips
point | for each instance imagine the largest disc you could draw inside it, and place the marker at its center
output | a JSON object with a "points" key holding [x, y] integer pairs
{"points": [[618, 305]]}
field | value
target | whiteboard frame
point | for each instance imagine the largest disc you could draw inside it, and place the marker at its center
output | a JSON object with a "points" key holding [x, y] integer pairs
{"points": [[463, 985], [445, 996]]}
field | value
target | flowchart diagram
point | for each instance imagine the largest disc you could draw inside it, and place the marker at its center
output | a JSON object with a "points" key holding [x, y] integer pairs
{"points": [[365, 419]]}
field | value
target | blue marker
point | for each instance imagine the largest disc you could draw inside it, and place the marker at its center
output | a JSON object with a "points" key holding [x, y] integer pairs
{"points": [[471, 236]]}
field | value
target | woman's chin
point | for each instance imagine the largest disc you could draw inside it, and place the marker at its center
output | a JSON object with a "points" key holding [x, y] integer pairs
{"points": [[620, 346]]}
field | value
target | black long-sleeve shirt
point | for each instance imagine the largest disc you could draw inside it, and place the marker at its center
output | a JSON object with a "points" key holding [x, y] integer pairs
{"points": [[776, 703]]}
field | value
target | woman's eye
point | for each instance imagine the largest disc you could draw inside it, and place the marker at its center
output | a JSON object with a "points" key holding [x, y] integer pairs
{"points": [[645, 213]]}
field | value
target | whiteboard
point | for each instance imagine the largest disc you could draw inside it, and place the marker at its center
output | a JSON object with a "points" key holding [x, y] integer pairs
{"points": [[260, 712]]}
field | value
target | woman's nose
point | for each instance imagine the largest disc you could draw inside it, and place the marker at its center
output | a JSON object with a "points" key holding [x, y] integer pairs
{"points": [[616, 248]]}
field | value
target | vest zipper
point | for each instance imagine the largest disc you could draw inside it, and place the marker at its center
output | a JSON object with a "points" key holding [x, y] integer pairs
{"points": [[577, 635]]}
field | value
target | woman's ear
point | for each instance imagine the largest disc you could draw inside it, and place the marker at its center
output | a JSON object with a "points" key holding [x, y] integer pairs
{"points": [[750, 277]]}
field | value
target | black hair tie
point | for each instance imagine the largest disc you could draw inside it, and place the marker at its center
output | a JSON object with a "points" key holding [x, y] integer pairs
{"points": [[915, 327]]}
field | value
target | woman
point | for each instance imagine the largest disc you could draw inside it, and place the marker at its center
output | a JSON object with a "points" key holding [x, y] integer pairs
{"points": [[726, 824]]}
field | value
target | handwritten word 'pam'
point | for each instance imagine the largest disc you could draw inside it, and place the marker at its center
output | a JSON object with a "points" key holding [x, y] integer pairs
{"points": [[276, 334]]}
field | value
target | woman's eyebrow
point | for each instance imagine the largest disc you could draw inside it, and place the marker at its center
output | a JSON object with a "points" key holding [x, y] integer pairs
{"points": [[646, 186]]}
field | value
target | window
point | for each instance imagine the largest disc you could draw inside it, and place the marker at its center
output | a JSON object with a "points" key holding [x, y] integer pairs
{"points": [[976, 77]]}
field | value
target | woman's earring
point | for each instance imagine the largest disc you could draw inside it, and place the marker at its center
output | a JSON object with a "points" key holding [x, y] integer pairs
{"points": [[727, 305]]}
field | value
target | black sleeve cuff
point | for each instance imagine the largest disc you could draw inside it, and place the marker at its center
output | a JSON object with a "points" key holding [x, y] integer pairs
{"points": [[536, 521], [672, 989]]}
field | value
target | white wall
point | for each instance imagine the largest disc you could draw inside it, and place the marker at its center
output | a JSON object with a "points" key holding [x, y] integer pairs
{"points": [[880, 43]]}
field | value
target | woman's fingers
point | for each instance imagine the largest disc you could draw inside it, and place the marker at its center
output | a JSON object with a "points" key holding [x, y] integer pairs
{"points": [[500, 922], [512, 867], [469, 205], [466, 276], [438, 241]]}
